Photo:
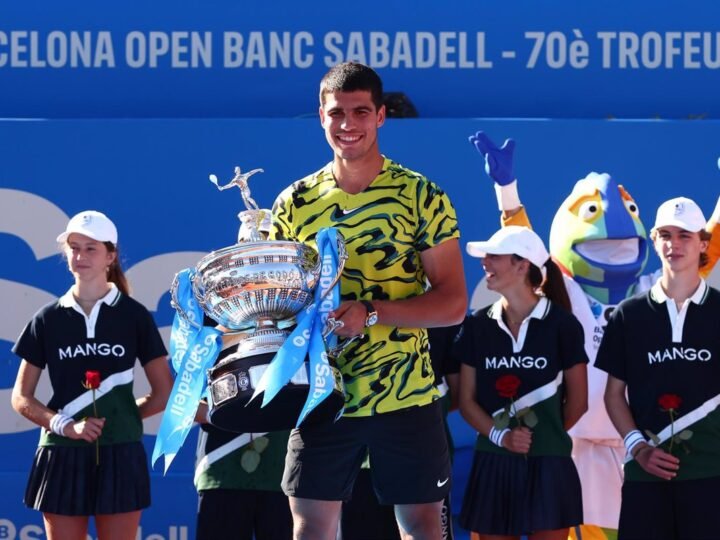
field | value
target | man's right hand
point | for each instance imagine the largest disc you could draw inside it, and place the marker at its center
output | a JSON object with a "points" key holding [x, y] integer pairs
{"points": [[498, 161], [657, 462], [518, 440]]}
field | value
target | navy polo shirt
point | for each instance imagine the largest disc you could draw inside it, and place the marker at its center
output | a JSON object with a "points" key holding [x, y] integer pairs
{"points": [[657, 349], [550, 341], [68, 342]]}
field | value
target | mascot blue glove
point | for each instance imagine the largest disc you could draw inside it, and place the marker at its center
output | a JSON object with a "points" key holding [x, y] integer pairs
{"points": [[499, 167], [498, 161]]}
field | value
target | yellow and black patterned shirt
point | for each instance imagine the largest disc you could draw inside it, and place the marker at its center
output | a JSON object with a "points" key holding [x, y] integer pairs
{"points": [[386, 227]]}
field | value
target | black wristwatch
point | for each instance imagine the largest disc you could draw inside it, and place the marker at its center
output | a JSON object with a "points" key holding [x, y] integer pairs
{"points": [[372, 316]]}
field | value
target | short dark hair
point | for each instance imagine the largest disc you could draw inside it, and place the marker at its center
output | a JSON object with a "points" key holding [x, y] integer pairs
{"points": [[350, 77]]}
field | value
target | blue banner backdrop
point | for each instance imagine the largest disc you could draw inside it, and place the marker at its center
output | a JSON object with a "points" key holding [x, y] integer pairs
{"points": [[150, 176], [466, 58]]}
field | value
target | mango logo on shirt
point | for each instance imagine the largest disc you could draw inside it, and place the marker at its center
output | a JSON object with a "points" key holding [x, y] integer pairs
{"points": [[679, 353], [526, 362], [91, 349]]}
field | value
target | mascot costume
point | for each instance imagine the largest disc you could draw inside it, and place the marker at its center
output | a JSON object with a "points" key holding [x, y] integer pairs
{"points": [[602, 247]]}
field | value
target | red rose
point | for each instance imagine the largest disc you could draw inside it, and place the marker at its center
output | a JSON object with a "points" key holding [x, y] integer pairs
{"points": [[507, 386], [92, 380], [669, 402]]}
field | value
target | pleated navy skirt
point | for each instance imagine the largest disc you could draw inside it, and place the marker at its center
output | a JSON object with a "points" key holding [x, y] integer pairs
{"points": [[66, 480], [512, 495]]}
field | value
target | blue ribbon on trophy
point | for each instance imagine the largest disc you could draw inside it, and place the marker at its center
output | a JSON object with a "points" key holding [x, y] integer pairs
{"points": [[307, 337], [193, 349]]}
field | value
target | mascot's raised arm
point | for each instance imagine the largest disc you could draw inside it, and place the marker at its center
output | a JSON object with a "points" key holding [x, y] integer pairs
{"points": [[601, 245]]}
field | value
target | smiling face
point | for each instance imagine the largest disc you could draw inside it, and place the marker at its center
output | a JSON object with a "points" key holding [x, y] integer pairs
{"points": [[678, 249], [351, 121], [598, 239], [503, 272], [88, 259]]}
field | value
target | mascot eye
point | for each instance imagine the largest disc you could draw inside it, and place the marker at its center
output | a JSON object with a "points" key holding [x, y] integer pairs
{"points": [[632, 208], [589, 210]]}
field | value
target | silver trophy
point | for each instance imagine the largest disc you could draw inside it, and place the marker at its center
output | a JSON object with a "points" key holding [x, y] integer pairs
{"points": [[253, 290]]}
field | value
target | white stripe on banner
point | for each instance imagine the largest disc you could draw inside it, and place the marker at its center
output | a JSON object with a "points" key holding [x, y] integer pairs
{"points": [[536, 396], [690, 418], [86, 398], [222, 451]]}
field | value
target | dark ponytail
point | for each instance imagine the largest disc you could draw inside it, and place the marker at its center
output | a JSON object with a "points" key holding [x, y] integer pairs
{"points": [[115, 271], [553, 286]]}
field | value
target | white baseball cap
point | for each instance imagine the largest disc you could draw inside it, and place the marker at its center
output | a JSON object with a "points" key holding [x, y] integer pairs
{"points": [[680, 212], [93, 224], [513, 240]]}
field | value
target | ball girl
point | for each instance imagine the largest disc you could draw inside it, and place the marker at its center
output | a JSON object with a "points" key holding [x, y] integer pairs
{"points": [[90, 460], [522, 386]]}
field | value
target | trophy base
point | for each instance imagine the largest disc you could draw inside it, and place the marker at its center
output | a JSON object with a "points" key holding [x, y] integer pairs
{"points": [[231, 384]]}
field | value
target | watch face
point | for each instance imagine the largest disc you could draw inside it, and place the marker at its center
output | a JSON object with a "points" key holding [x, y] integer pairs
{"points": [[371, 319]]}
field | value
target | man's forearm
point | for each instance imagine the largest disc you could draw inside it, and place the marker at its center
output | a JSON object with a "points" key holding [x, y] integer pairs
{"points": [[444, 306]]}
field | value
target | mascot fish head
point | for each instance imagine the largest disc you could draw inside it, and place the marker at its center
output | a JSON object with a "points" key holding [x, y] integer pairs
{"points": [[598, 239]]}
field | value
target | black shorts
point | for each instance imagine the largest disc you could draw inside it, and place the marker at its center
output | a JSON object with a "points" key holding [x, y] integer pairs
{"points": [[409, 459], [66, 480], [237, 514], [670, 510], [513, 495]]}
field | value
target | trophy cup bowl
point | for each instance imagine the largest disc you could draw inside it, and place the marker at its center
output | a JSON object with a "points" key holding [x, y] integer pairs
{"points": [[241, 285], [254, 289]]}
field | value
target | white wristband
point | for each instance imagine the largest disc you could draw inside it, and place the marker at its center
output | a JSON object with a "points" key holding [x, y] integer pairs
{"points": [[59, 422], [632, 439], [496, 435], [507, 196]]}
